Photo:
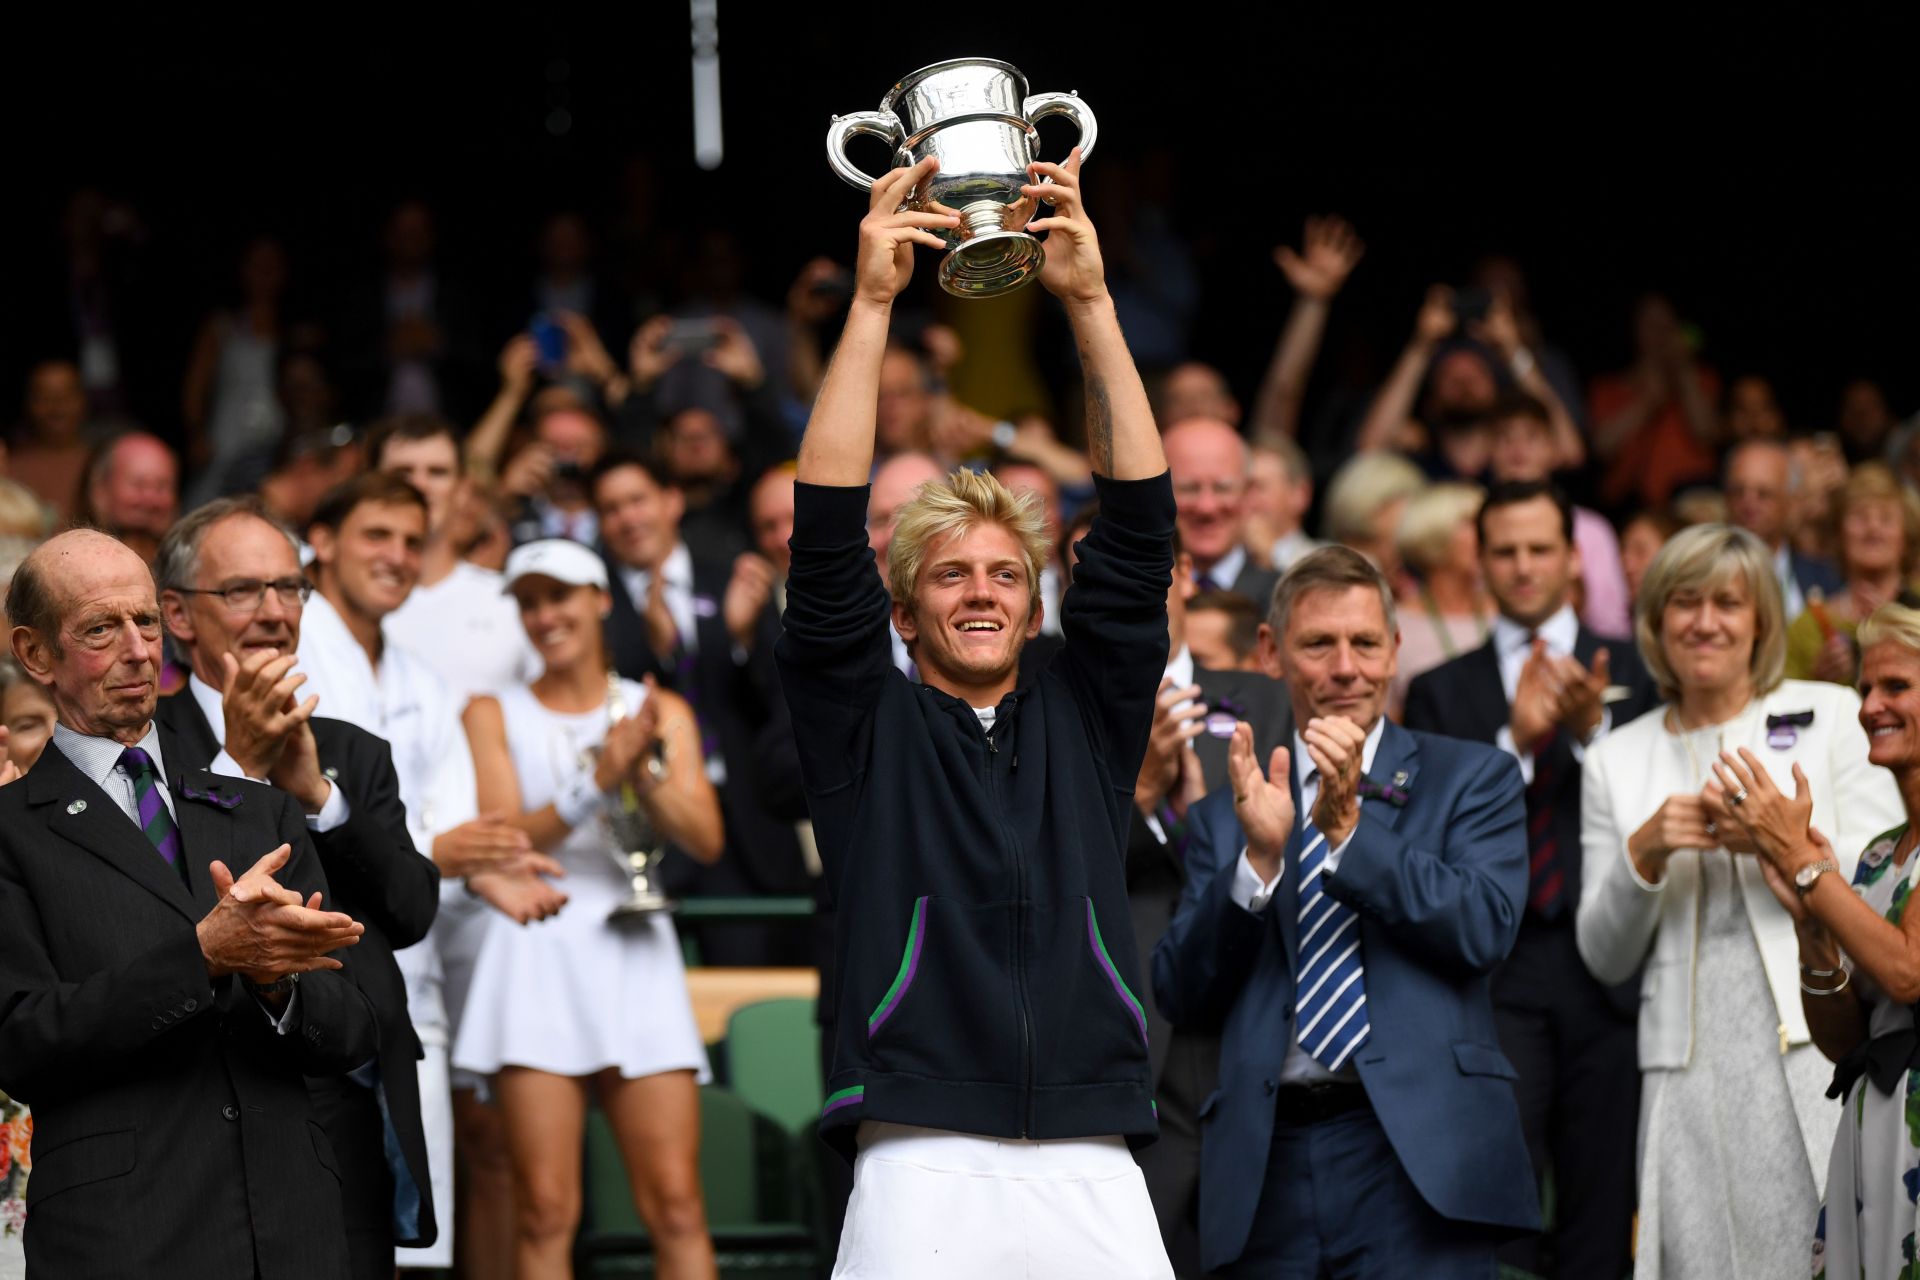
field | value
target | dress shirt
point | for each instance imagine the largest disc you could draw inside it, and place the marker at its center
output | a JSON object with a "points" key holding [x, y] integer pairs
{"points": [[676, 585], [471, 627], [1299, 1067], [332, 814], [1225, 570], [99, 760], [1791, 596], [1513, 642]]}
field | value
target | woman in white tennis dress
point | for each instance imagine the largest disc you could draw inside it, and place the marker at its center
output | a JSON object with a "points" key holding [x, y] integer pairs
{"points": [[580, 1002]]}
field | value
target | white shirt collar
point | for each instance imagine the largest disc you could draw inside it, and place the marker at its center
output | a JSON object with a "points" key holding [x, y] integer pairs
{"points": [[1559, 631], [1180, 670], [1303, 770], [212, 706], [1226, 570], [99, 757]]}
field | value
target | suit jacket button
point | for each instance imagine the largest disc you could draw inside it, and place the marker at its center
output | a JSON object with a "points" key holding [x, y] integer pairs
{"points": [[157, 1024], [230, 1111], [191, 1005]]}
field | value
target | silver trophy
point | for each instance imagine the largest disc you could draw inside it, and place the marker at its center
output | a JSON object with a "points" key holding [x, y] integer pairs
{"points": [[638, 848], [976, 115]]}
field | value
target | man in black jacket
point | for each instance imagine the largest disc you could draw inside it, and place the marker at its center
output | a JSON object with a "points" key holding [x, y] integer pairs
{"points": [[1539, 690], [232, 599], [973, 828]]}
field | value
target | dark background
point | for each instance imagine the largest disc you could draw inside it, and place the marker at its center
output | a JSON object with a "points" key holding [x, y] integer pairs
{"points": [[1763, 171]]}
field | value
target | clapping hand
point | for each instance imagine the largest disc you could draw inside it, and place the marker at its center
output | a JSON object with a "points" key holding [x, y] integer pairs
{"points": [[263, 931], [1778, 824], [1262, 801], [1335, 745], [268, 734], [1436, 321], [1329, 252], [748, 591], [1177, 720]]}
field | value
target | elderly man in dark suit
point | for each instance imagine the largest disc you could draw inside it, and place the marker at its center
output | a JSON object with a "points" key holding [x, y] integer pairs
{"points": [[158, 1014], [1344, 911], [1543, 689], [232, 595]]}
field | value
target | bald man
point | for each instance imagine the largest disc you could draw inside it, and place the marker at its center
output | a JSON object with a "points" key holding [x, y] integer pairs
{"points": [[133, 491], [158, 1014], [895, 481], [1209, 464]]}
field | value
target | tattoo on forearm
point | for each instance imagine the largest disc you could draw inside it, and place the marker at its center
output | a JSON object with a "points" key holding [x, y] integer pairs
{"points": [[1099, 424]]}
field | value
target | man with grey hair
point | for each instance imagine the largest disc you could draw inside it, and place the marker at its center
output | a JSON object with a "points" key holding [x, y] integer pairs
{"points": [[1350, 902], [157, 1013], [1761, 482]]}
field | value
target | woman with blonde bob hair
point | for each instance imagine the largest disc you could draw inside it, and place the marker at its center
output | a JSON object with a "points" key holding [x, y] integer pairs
{"points": [[1876, 522], [1859, 961], [1732, 1106]]}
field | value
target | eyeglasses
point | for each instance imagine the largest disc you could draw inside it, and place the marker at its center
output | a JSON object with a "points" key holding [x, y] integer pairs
{"points": [[245, 597]]}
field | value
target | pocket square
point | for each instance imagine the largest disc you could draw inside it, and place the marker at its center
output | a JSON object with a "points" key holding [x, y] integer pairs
{"points": [[218, 796]]}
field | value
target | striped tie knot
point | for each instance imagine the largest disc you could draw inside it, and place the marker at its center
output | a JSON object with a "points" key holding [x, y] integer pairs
{"points": [[156, 821]]}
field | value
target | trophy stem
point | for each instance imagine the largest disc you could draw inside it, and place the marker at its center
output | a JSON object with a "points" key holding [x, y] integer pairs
{"points": [[983, 216]]}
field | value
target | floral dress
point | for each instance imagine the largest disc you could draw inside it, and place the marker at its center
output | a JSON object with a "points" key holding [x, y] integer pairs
{"points": [[1875, 1168], [16, 1159]]}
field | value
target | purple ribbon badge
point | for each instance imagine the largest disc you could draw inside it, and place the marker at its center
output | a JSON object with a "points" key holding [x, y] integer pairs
{"points": [[1397, 796], [216, 796], [1784, 730]]}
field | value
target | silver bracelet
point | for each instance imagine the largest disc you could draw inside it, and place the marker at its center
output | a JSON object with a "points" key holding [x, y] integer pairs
{"points": [[1845, 978], [1821, 973]]}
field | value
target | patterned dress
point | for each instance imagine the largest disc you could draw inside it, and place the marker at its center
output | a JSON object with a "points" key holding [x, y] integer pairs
{"points": [[16, 1159], [1875, 1169]]}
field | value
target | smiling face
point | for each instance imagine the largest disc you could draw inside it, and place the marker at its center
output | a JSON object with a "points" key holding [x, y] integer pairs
{"points": [[1208, 462], [563, 620], [1707, 634], [1890, 704], [369, 565], [1338, 655], [639, 518], [1527, 560], [972, 611], [241, 548], [102, 665]]}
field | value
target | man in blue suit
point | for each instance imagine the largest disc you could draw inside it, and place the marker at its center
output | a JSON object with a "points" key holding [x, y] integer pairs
{"points": [[1342, 914]]}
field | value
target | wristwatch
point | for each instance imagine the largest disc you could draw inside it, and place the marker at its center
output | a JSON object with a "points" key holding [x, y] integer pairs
{"points": [[1803, 878]]}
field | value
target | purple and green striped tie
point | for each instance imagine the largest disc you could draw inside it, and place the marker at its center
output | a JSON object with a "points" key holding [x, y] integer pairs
{"points": [[155, 819]]}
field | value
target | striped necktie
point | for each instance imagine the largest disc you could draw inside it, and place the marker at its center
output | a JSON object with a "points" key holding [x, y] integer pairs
{"points": [[155, 819], [1332, 1008]]}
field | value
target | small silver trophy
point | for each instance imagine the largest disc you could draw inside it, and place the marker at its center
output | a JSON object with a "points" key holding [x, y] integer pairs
{"points": [[976, 115], [637, 846]]}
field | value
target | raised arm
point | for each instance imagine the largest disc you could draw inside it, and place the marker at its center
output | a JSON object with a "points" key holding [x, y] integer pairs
{"points": [[838, 447], [1122, 441], [1330, 252], [1393, 404]]}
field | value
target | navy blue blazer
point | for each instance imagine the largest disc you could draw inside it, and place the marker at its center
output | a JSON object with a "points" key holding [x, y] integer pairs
{"points": [[1439, 885]]}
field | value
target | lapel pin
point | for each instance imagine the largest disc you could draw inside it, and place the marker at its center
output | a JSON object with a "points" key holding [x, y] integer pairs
{"points": [[333, 774], [1400, 778], [78, 806]]}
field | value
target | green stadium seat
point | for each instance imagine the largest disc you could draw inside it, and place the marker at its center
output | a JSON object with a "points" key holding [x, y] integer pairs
{"points": [[773, 1060]]}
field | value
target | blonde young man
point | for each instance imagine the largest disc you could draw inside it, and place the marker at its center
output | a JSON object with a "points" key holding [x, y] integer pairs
{"points": [[990, 1059]]}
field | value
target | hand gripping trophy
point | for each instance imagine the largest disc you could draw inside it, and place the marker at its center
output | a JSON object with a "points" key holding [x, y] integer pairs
{"points": [[976, 115], [637, 847]]}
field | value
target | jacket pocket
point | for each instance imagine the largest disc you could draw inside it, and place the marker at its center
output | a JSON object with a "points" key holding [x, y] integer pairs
{"points": [[948, 1010], [1476, 1059], [76, 1163], [1089, 1023]]}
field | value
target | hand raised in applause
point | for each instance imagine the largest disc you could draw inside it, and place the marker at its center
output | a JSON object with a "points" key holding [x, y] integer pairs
{"points": [[1679, 823], [262, 930], [1262, 801], [625, 751], [890, 231], [268, 733], [748, 591], [1329, 251], [1776, 824], [1336, 744], [1177, 720]]}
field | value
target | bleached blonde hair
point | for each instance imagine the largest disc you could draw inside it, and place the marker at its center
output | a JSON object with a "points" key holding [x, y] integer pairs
{"points": [[943, 509], [1891, 622]]}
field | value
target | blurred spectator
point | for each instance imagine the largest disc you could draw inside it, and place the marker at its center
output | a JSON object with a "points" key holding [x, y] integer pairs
{"points": [[1328, 254], [133, 491], [1196, 390], [771, 513], [230, 402], [1501, 277], [1640, 541], [1866, 421], [1223, 631], [1435, 401], [1150, 268], [1208, 461], [1026, 477], [548, 476], [1654, 429], [457, 611], [1821, 465], [565, 282], [1365, 499], [411, 356], [906, 405], [1760, 488], [1700, 505], [895, 482], [1523, 453], [103, 305], [49, 453], [25, 522], [713, 288], [1449, 612], [1753, 411], [1879, 536], [1279, 495], [26, 709], [306, 465]]}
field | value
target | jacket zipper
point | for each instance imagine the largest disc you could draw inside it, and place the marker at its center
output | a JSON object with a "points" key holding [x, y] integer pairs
{"points": [[1021, 999]]}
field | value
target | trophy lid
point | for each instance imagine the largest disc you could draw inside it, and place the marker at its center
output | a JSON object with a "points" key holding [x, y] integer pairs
{"points": [[908, 82]]}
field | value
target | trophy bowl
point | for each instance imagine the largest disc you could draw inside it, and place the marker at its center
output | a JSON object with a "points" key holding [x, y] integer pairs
{"points": [[976, 116]]}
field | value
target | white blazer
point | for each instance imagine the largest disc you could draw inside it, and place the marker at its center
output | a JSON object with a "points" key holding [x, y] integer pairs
{"points": [[1624, 921]]}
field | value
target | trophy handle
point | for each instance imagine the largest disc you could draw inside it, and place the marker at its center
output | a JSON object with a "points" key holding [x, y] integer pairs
{"points": [[883, 125], [1042, 105]]}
